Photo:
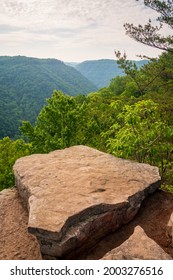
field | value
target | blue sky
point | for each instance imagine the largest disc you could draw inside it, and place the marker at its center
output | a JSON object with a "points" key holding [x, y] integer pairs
{"points": [[71, 30]]}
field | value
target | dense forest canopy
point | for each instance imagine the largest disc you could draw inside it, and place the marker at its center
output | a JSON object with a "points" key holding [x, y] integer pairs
{"points": [[25, 83], [101, 72], [131, 118]]}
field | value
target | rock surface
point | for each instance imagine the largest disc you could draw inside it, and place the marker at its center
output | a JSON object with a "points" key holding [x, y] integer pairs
{"points": [[152, 217], [138, 247], [78, 195], [15, 241], [170, 228]]}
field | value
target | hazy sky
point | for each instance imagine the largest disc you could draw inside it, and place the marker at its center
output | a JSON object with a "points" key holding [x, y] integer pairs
{"points": [[71, 30]]}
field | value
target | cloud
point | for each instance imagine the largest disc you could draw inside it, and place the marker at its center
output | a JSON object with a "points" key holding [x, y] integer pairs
{"points": [[67, 13], [4, 29], [13, 7], [57, 26]]}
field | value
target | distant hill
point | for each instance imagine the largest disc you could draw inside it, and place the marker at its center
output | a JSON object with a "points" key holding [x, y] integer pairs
{"points": [[25, 83], [100, 72], [72, 64]]}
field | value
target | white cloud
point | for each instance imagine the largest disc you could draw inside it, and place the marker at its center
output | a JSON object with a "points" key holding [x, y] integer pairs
{"points": [[71, 29]]}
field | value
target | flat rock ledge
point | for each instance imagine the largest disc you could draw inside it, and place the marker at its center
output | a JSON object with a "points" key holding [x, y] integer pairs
{"points": [[78, 195]]}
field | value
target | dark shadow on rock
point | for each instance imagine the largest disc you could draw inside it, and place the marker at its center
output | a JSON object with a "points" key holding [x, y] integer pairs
{"points": [[153, 217]]}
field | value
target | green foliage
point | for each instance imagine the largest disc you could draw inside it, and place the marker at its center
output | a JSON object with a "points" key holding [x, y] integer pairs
{"points": [[61, 123], [149, 34], [118, 85], [154, 80], [168, 188], [66, 121], [100, 116], [140, 134], [165, 8], [132, 118], [55, 125], [117, 119], [10, 151], [25, 83]]}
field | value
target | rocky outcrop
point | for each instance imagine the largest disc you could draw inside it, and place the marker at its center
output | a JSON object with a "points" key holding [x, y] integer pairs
{"points": [[138, 247], [15, 241], [78, 195], [152, 217]]}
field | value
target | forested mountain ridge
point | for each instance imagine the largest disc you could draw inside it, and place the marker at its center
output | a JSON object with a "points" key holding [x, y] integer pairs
{"points": [[25, 83], [132, 118], [101, 72]]}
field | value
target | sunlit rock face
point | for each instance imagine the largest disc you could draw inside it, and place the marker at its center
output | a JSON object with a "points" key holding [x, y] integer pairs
{"points": [[78, 195]]}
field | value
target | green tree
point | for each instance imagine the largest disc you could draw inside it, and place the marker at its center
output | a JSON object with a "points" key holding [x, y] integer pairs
{"points": [[140, 134], [100, 116], [66, 121], [149, 34], [57, 124], [155, 76], [118, 85], [10, 151]]}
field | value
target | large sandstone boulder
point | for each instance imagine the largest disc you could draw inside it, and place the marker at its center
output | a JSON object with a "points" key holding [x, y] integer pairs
{"points": [[78, 195], [138, 247], [16, 243]]}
